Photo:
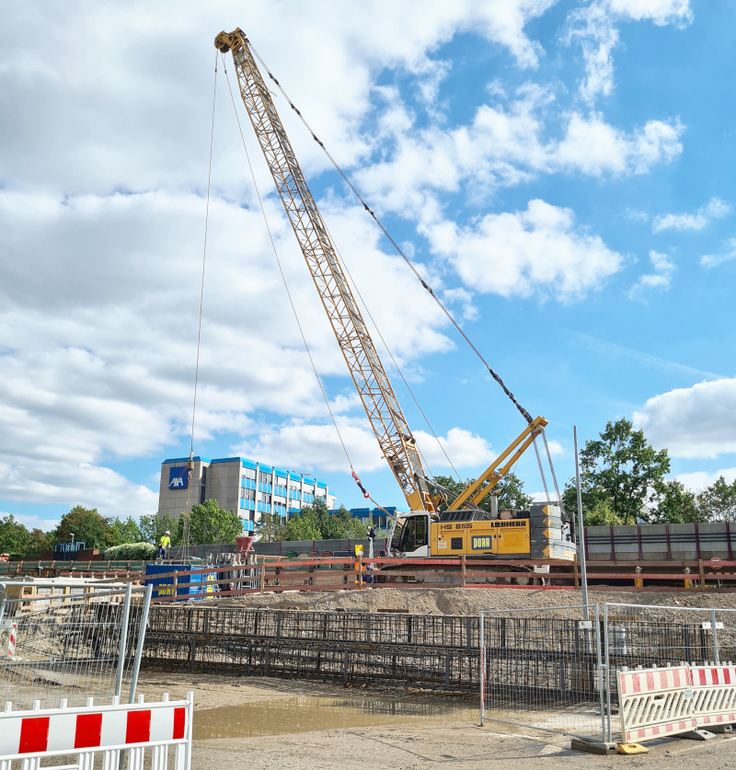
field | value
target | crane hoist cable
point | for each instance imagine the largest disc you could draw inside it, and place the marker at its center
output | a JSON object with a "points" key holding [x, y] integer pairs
{"points": [[524, 413]]}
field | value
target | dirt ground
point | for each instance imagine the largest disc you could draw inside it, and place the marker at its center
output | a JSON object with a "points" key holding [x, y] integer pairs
{"points": [[459, 601], [312, 725], [453, 740]]}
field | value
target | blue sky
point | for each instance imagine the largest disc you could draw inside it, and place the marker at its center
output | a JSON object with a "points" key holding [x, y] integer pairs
{"points": [[562, 174]]}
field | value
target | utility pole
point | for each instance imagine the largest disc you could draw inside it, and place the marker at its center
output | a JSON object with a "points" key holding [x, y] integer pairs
{"points": [[581, 529]]}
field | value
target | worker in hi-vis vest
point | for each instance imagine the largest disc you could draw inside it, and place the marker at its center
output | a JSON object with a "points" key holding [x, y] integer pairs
{"points": [[164, 545]]}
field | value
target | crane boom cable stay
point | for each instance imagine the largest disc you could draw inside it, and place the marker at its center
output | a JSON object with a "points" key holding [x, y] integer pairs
{"points": [[281, 271], [524, 413], [204, 260]]}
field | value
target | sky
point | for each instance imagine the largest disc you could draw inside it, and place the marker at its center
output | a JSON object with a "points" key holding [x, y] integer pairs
{"points": [[561, 173]]}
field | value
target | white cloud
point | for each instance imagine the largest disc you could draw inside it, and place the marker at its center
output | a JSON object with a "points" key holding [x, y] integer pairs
{"points": [[555, 448], [713, 260], [506, 145], [660, 279], [317, 447], [594, 147], [699, 421], [595, 28], [699, 480], [714, 209], [102, 174], [661, 12], [534, 251], [99, 360], [465, 449]]}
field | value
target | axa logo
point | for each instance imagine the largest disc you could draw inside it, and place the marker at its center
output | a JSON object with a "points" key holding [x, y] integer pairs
{"points": [[178, 477]]}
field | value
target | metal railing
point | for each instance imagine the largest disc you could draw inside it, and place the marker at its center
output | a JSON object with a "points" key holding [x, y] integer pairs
{"points": [[70, 639]]}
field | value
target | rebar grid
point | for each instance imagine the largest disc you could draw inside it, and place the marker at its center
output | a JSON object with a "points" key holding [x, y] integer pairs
{"points": [[408, 650], [543, 671], [67, 643]]}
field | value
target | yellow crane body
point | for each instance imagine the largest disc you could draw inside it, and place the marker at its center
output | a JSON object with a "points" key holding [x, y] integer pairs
{"points": [[424, 531]]}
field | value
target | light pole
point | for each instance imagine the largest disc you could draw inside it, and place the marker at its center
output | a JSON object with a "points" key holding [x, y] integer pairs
{"points": [[581, 529]]}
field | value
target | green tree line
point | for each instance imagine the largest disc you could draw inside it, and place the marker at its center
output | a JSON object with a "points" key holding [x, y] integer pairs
{"points": [[208, 523], [623, 481], [312, 523]]}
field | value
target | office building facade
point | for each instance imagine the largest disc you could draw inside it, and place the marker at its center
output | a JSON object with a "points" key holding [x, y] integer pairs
{"points": [[238, 484]]}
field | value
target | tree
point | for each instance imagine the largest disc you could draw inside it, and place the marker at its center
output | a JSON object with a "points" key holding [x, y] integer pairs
{"points": [[622, 469], [339, 525], [88, 526], [39, 541], [15, 539], [126, 531], [718, 501], [315, 522], [303, 526], [510, 488], [270, 528], [208, 523], [677, 505], [153, 526]]}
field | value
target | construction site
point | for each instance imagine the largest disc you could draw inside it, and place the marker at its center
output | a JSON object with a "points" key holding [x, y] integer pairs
{"points": [[471, 632]]}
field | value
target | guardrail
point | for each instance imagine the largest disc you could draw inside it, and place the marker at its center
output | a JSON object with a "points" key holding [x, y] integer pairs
{"points": [[325, 573]]}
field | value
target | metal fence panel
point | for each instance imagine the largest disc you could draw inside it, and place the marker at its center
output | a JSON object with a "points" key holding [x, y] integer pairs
{"points": [[541, 669], [643, 636], [64, 639]]}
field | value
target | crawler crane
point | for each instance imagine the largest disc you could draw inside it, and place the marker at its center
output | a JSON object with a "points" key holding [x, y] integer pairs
{"points": [[425, 531]]}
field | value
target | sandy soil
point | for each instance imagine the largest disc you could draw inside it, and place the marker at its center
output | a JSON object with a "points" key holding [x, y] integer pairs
{"points": [[458, 601], [404, 744]]}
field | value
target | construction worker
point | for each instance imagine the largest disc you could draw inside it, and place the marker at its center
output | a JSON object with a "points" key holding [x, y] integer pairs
{"points": [[164, 545]]}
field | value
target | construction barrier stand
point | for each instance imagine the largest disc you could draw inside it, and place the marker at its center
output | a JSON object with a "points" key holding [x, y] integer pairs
{"points": [[34, 735], [714, 689], [655, 702]]}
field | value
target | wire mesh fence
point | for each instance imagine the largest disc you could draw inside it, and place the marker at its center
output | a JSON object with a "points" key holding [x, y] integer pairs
{"points": [[642, 636], [541, 669], [69, 639]]}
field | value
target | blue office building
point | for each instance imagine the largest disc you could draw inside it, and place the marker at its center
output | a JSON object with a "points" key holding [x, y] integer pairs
{"points": [[238, 484]]}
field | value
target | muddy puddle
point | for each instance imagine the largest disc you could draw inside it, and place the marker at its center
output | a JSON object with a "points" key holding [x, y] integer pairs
{"points": [[303, 713]]}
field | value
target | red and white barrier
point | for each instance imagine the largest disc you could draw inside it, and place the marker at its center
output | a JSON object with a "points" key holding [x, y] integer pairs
{"points": [[12, 639], [656, 702], [33, 735], [714, 694]]}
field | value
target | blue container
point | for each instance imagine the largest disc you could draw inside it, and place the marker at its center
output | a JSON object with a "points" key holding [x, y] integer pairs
{"points": [[189, 586], [67, 551]]}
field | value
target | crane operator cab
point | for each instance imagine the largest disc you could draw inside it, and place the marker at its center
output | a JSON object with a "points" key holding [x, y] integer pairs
{"points": [[410, 535]]}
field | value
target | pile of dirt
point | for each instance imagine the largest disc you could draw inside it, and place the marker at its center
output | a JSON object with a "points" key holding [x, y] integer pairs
{"points": [[459, 601]]}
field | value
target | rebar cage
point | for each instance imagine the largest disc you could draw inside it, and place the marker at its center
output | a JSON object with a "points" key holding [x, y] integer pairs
{"points": [[70, 639]]}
